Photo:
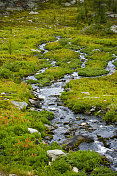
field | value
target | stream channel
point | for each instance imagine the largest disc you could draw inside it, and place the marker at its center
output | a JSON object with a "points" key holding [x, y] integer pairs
{"points": [[67, 123]]}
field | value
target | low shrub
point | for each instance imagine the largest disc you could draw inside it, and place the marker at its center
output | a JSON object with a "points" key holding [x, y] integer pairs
{"points": [[5, 73], [99, 171]]}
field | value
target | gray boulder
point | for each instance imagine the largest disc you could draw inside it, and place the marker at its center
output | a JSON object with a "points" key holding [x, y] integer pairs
{"points": [[36, 103], [53, 154], [20, 105]]}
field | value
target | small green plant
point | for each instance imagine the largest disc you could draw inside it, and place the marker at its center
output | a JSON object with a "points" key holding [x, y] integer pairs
{"points": [[10, 46]]}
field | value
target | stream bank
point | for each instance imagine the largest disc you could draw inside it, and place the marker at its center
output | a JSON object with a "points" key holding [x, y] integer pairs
{"points": [[67, 124]]}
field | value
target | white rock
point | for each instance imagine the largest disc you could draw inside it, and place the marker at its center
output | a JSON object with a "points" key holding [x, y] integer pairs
{"points": [[73, 2], [67, 4], [31, 130], [114, 28], [33, 13], [83, 124], [55, 153], [87, 93], [75, 169], [3, 93]]}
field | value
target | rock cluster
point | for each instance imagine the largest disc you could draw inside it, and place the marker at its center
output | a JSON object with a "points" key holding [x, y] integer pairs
{"points": [[19, 4]]}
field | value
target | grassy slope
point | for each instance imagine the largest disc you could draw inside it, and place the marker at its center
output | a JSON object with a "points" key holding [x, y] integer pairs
{"points": [[19, 34]]}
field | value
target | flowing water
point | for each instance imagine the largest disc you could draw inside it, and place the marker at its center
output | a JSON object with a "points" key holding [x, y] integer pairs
{"points": [[67, 123]]}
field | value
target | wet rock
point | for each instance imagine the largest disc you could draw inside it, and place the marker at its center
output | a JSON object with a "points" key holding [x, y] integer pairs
{"points": [[36, 103], [73, 128], [67, 133], [93, 109], [52, 109], [51, 133], [59, 102], [75, 141], [78, 118], [104, 140], [20, 105], [50, 104], [66, 123], [84, 125], [55, 127], [115, 133], [53, 154], [41, 98]]}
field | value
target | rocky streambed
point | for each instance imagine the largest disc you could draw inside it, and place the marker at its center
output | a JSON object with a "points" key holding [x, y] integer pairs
{"points": [[76, 131]]}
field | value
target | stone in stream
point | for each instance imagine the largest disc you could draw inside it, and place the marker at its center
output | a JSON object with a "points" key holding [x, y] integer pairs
{"points": [[59, 102], [36, 103], [84, 125], [66, 123], [75, 141], [53, 154], [67, 133], [115, 134]]}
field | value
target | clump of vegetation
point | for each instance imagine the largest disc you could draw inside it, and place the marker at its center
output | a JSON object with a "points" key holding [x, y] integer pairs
{"points": [[85, 161], [95, 92]]}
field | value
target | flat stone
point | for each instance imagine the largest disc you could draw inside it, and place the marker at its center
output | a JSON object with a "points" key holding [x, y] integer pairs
{"points": [[53, 154], [35, 103], [31, 130], [20, 105], [41, 97], [114, 28]]}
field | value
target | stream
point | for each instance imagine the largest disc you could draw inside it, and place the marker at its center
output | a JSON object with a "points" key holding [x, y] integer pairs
{"points": [[66, 123]]}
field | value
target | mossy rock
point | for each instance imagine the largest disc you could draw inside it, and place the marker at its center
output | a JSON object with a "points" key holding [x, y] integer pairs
{"points": [[75, 141]]}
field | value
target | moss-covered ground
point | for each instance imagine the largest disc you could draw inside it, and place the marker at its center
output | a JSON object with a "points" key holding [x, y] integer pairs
{"points": [[20, 35]]}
